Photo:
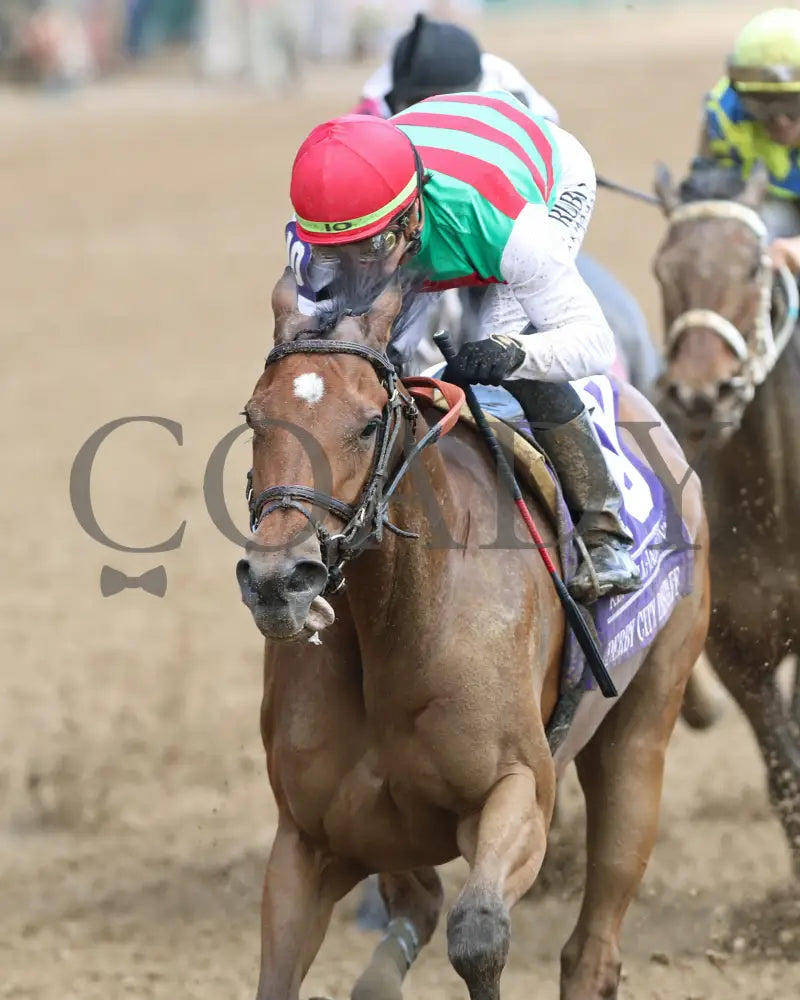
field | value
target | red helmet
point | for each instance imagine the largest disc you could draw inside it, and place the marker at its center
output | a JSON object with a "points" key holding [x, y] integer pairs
{"points": [[350, 178]]}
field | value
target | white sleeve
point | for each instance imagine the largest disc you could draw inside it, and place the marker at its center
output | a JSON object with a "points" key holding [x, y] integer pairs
{"points": [[498, 74], [380, 84], [573, 339]]}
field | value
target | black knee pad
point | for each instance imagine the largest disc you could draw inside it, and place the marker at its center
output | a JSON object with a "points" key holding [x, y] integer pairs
{"points": [[546, 404]]}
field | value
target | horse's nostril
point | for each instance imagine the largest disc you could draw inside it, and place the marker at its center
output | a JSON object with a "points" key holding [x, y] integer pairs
{"points": [[307, 576], [728, 389], [675, 393], [243, 574]]}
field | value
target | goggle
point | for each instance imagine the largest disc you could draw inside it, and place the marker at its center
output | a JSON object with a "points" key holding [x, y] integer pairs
{"points": [[767, 107], [761, 79], [369, 251]]}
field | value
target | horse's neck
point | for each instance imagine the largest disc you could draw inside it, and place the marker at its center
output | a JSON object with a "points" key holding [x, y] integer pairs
{"points": [[397, 587], [772, 419], [427, 612], [761, 462]]}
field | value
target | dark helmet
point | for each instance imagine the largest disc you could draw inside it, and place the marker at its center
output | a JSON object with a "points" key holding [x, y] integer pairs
{"points": [[433, 58]]}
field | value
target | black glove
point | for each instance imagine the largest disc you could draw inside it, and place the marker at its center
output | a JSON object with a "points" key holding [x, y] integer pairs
{"points": [[485, 362]]}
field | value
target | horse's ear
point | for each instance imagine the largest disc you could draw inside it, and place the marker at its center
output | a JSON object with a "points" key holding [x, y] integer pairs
{"points": [[382, 314], [284, 295], [288, 319], [665, 190], [755, 190]]}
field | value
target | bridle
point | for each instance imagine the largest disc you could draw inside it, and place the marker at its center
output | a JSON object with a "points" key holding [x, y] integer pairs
{"points": [[760, 355], [366, 519]]}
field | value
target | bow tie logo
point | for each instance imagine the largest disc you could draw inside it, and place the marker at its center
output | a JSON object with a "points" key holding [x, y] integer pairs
{"points": [[154, 581]]}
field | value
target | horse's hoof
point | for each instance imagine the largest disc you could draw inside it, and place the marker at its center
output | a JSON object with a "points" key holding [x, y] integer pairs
{"points": [[381, 981], [478, 936]]}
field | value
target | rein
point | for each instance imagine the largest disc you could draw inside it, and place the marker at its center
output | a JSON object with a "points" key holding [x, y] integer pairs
{"points": [[366, 519], [760, 358]]}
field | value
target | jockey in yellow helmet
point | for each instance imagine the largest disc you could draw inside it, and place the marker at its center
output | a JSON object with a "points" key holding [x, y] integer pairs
{"points": [[753, 114]]}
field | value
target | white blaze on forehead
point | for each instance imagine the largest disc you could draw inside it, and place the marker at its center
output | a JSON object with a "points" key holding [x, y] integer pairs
{"points": [[310, 387]]}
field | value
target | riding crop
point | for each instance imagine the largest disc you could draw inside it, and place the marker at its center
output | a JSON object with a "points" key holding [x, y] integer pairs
{"points": [[650, 199], [576, 620]]}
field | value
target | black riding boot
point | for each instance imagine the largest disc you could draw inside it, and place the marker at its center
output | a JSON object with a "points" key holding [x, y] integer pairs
{"points": [[565, 431]]}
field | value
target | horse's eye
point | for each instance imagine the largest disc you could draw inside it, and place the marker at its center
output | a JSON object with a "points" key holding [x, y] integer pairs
{"points": [[370, 428]]}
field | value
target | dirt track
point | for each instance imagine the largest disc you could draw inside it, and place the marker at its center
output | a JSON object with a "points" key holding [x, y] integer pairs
{"points": [[140, 236]]}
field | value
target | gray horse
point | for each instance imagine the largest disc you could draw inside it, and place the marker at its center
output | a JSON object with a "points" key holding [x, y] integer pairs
{"points": [[731, 395]]}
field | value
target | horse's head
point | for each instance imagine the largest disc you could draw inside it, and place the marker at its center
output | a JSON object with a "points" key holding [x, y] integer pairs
{"points": [[716, 283], [324, 416]]}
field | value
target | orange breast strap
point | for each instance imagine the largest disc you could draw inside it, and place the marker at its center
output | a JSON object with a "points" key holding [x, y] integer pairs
{"points": [[423, 388]]}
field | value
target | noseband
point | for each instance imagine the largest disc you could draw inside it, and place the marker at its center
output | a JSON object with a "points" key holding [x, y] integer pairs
{"points": [[759, 358], [366, 519]]}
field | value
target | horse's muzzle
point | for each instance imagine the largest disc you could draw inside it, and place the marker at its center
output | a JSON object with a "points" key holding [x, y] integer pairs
{"points": [[712, 412], [280, 589]]}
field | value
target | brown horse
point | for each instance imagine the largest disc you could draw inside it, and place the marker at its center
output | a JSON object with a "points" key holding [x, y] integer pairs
{"points": [[731, 394], [412, 729]]}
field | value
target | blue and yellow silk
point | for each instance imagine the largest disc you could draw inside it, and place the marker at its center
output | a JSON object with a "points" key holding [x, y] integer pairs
{"points": [[735, 138]]}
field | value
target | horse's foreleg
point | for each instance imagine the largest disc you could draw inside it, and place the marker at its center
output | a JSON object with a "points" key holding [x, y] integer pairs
{"points": [[757, 693], [779, 741], [505, 845], [795, 705], [414, 902], [621, 771], [301, 886], [371, 914]]}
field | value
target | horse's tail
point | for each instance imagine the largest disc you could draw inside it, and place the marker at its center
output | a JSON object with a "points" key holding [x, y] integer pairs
{"points": [[704, 698]]}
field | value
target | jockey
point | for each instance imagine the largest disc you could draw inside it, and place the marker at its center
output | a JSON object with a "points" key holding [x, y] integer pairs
{"points": [[432, 58], [439, 58], [753, 114], [472, 189]]}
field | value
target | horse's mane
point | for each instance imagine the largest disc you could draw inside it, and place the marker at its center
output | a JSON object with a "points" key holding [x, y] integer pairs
{"points": [[708, 180]]}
